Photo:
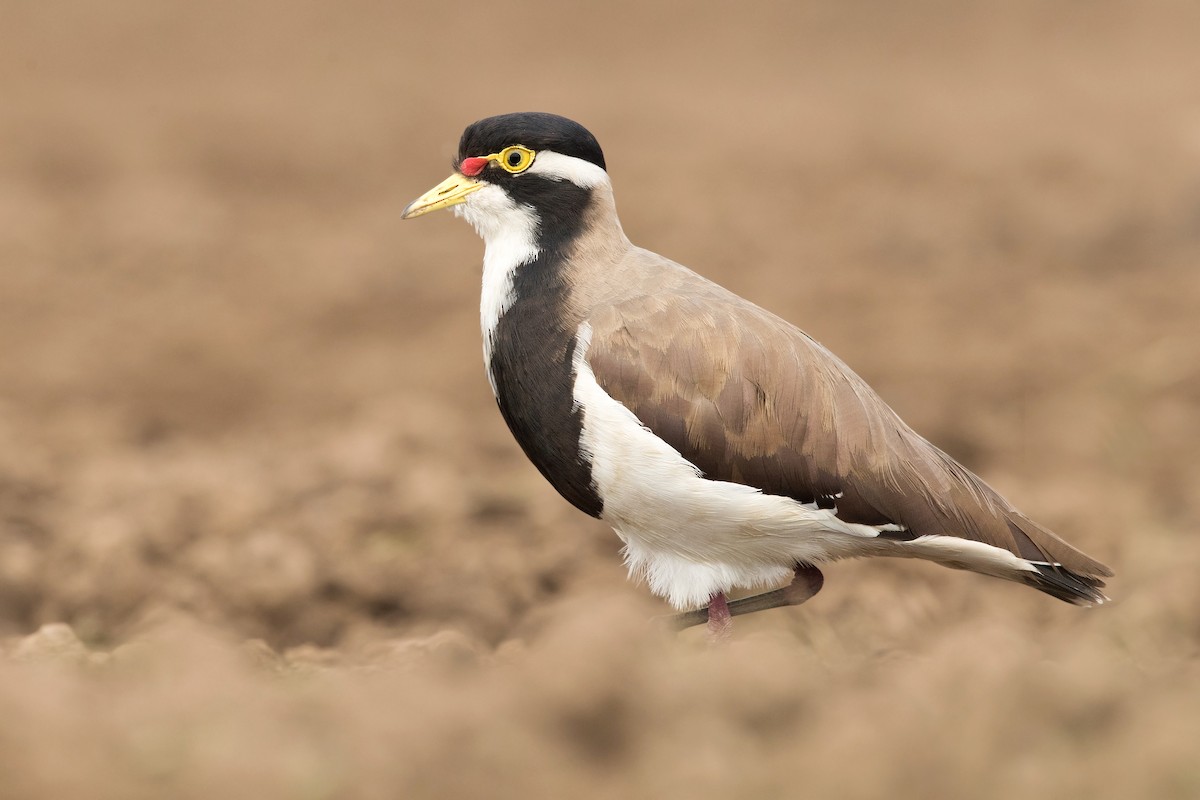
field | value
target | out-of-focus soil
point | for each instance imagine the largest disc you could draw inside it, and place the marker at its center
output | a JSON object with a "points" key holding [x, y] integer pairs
{"points": [[263, 533]]}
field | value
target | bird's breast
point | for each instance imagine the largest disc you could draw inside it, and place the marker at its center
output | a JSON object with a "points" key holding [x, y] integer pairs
{"points": [[529, 361]]}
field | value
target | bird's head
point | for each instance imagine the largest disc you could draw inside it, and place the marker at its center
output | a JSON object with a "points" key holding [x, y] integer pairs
{"points": [[514, 165]]}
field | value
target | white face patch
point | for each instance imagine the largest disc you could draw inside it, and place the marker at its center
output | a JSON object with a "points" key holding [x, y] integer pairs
{"points": [[509, 234], [556, 166]]}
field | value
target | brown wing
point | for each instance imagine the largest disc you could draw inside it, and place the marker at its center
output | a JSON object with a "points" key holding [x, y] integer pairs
{"points": [[750, 399]]}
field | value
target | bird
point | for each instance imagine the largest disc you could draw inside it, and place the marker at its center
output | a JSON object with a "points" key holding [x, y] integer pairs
{"points": [[728, 449]]}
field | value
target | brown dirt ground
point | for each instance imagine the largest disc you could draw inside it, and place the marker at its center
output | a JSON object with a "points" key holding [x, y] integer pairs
{"points": [[252, 479]]}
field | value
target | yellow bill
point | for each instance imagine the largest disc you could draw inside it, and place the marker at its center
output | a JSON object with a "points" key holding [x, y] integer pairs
{"points": [[450, 192]]}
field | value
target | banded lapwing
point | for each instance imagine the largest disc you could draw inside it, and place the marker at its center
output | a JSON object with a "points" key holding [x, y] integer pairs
{"points": [[726, 447]]}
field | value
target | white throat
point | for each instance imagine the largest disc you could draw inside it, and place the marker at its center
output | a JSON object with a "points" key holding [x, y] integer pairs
{"points": [[509, 234]]}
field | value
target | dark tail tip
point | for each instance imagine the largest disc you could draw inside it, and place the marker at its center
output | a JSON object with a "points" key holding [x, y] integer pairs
{"points": [[1071, 587]]}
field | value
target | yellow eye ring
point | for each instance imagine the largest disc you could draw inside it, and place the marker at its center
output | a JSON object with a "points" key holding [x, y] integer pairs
{"points": [[514, 159]]}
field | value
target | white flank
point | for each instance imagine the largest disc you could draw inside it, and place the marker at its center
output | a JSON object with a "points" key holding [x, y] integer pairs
{"points": [[952, 551], [687, 536], [509, 234]]}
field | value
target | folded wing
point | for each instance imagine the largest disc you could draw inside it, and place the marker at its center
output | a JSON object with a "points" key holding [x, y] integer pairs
{"points": [[750, 399]]}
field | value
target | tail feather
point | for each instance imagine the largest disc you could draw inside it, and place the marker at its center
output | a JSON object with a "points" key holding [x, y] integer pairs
{"points": [[1060, 582], [1063, 571]]}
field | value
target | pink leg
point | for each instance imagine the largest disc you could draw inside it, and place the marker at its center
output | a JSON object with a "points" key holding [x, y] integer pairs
{"points": [[720, 621], [806, 583]]}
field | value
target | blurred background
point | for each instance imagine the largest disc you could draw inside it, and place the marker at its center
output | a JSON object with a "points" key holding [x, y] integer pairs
{"points": [[263, 532]]}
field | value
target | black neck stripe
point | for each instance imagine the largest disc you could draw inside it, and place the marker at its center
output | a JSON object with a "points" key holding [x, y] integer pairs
{"points": [[531, 362]]}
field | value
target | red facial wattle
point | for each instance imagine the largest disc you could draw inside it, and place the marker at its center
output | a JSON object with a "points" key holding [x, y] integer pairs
{"points": [[472, 166]]}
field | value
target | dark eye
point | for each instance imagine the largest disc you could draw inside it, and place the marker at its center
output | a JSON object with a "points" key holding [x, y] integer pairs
{"points": [[514, 158]]}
